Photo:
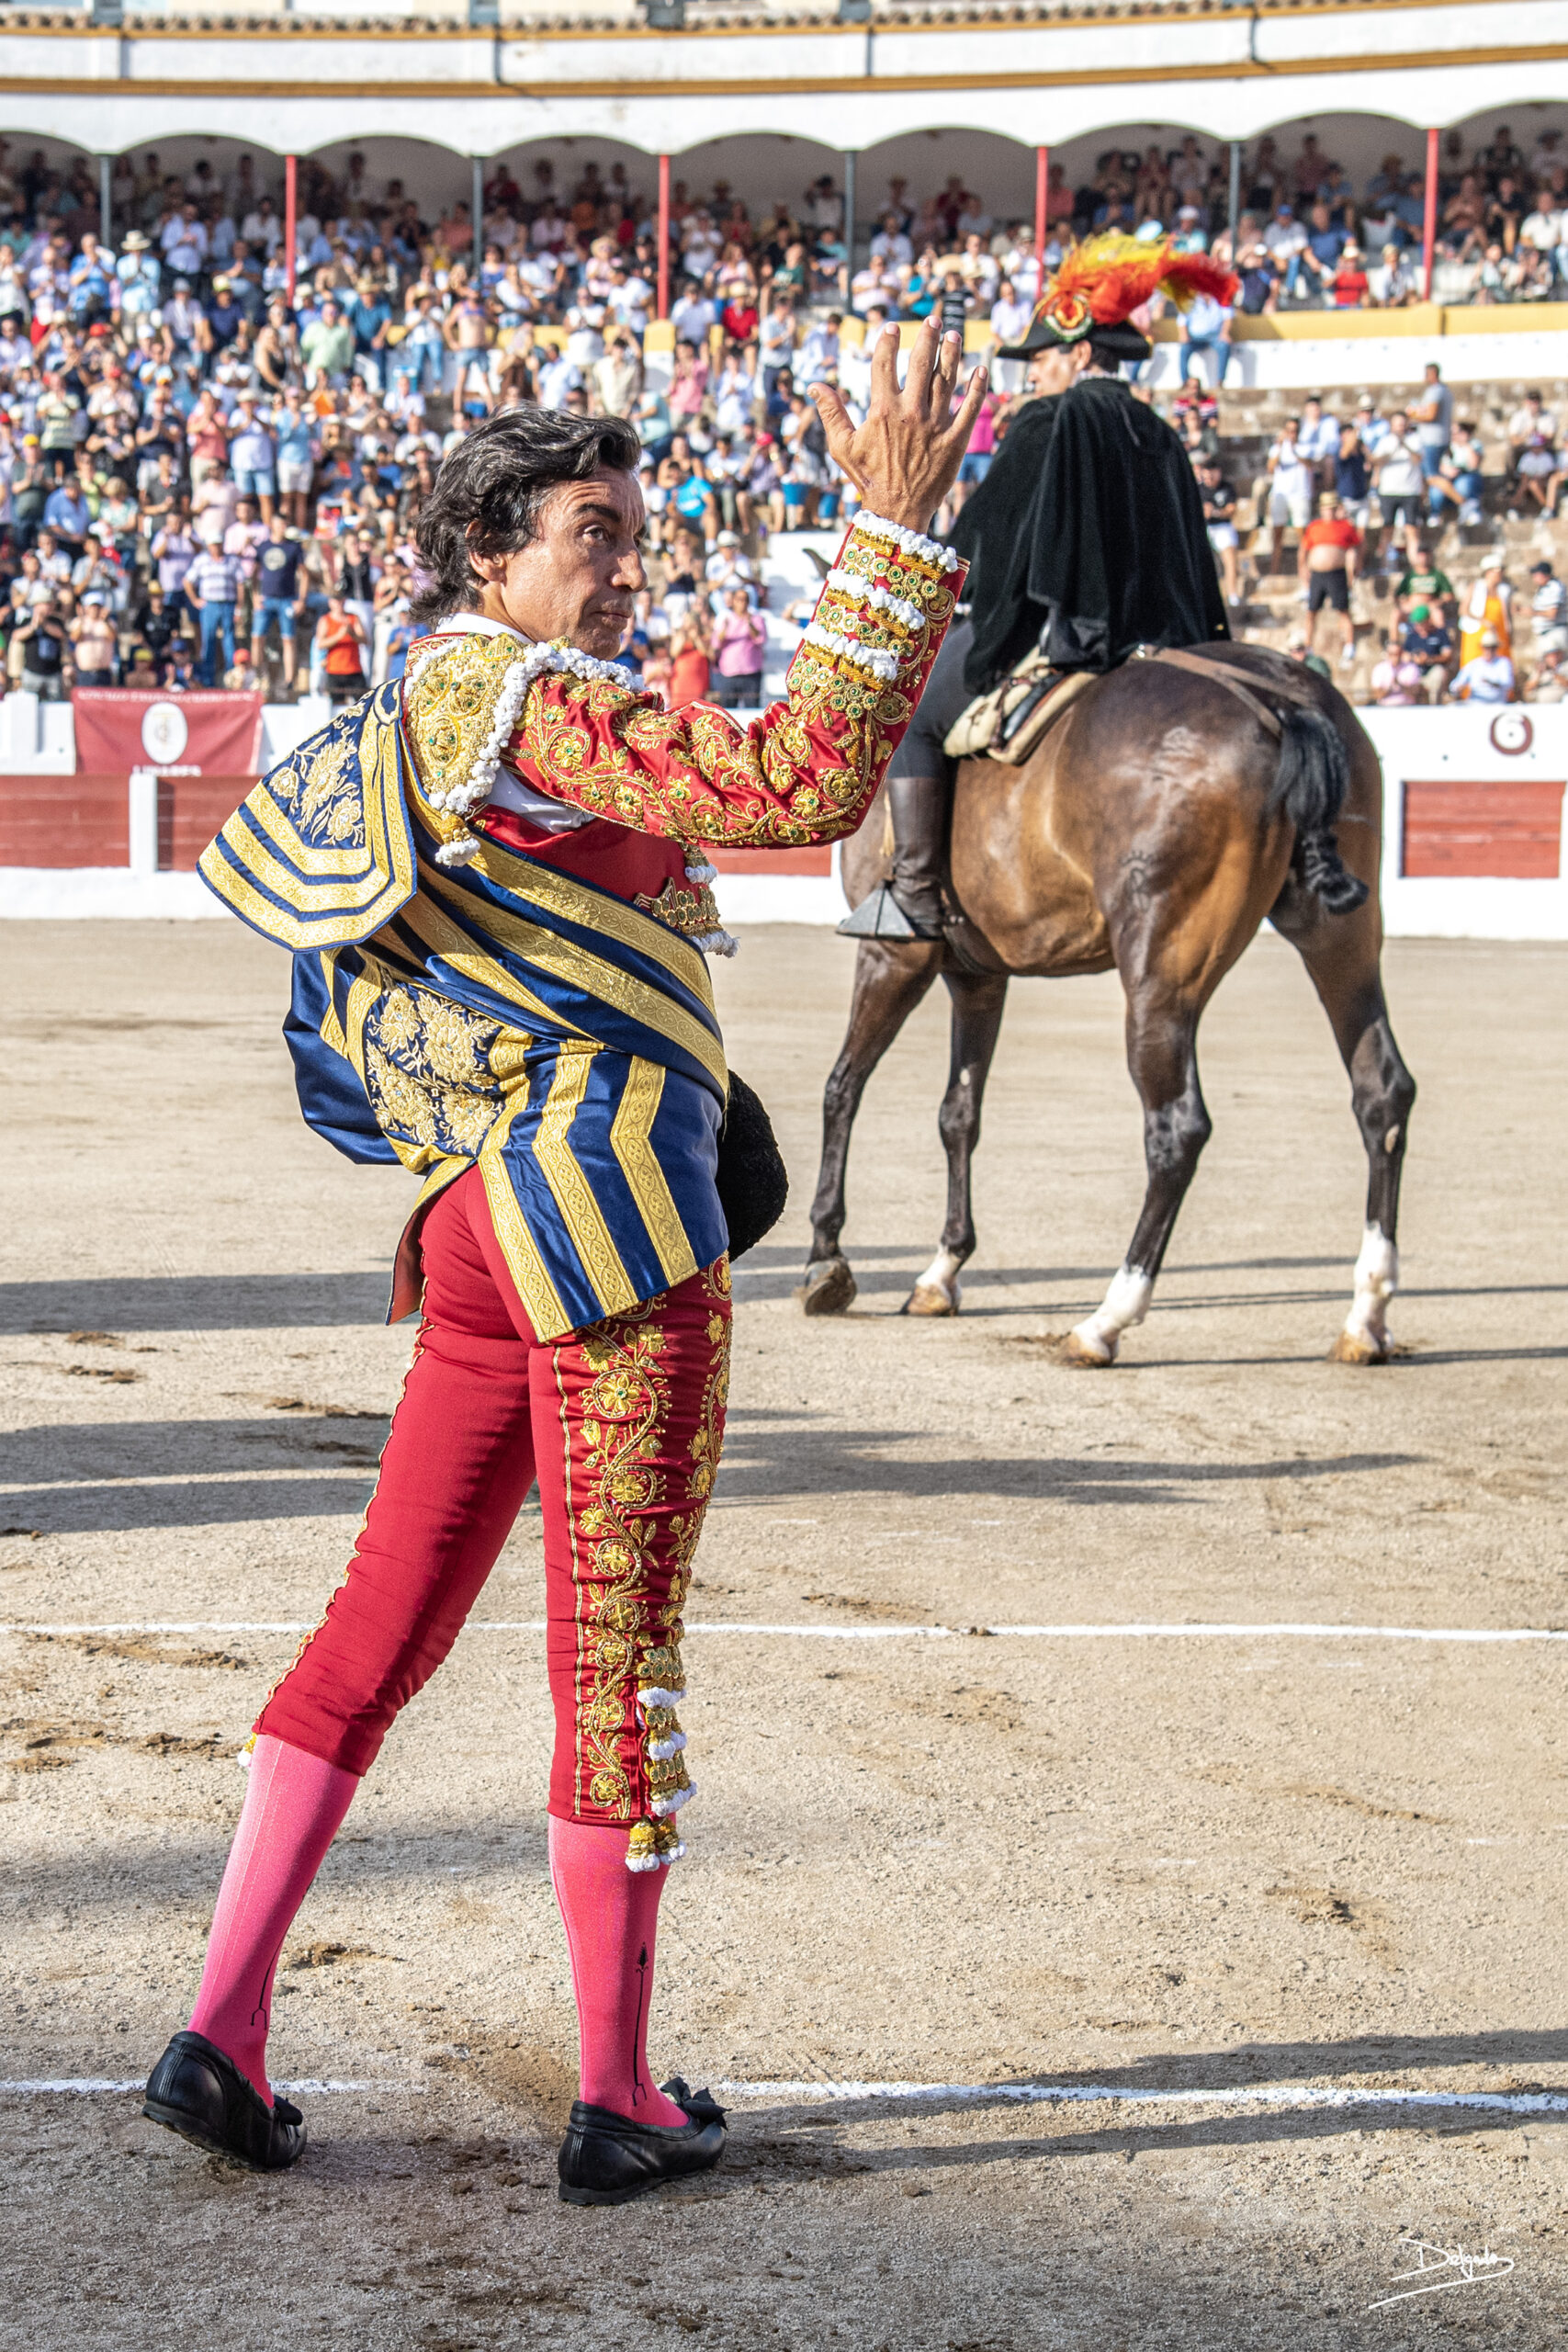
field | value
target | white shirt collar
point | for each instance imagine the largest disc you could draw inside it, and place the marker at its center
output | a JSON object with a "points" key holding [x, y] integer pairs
{"points": [[477, 625]]}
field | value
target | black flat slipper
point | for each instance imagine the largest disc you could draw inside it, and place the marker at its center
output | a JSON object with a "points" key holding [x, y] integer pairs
{"points": [[196, 2090], [605, 2159]]}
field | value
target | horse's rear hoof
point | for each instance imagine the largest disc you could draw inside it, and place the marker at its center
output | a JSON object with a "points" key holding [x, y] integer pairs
{"points": [[929, 1298], [1082, 1352], [829, 1287], [1358, 1347]]}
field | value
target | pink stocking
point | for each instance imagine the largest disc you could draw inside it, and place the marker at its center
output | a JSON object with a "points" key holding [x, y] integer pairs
{"points": [[293, 1807], [611, 1916]]}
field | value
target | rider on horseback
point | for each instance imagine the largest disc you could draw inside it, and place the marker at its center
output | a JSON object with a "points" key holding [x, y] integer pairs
{"points": [[1086, 543]]}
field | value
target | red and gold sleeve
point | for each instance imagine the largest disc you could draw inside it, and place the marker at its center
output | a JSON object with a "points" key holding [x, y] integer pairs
{"points": [[804, 772]]}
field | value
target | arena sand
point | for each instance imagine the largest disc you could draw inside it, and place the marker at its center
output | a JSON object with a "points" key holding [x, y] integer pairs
{"points": [[1160, 1865]]}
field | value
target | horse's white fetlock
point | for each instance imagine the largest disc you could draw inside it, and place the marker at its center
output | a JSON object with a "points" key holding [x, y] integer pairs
{"points": [[941, 1275], [1376, 1281], [1125, 1303]]}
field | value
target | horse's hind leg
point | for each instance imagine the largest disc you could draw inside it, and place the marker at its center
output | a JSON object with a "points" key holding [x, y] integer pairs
{"points": [[1162, 1055], [890, 979], [978, 999], [1341, 954]]}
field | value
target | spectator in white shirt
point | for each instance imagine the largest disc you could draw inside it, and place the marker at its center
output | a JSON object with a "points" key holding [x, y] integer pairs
{"points": [[775, 340], [1291, 480], [734, 397], [185, 243], [1317, 436], [1549, 610], [1542, 227], [262, 228], [817, 357], [1285, 238], [1531, 423], [584, 343], [559, 376], [1401, 477], [890, 244], [854, 361], [1391, 284], [1011, 315], [693, 315], [872, 288], [1490, 677]]}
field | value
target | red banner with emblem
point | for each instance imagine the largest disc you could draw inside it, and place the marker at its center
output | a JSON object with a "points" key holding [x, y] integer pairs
{"points": [[118, 729]]}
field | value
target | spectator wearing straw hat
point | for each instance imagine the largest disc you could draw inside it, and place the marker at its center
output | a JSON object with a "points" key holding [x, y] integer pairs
{"points": [[1490, 676]]}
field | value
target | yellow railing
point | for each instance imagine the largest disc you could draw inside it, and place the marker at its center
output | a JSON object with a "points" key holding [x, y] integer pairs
{"points": [[1419, 318]]}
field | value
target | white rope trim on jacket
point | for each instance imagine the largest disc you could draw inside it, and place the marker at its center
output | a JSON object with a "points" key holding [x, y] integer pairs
{"points": [[472, 791], [868, 658], [910, 542], [881, 599]]}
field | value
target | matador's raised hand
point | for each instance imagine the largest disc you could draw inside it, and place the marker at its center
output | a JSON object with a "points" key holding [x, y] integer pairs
{"points": [[905, 456]]}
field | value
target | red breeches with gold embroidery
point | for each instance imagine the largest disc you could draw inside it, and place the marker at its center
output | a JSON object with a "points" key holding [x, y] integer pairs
{"points": [[622, 1424]]}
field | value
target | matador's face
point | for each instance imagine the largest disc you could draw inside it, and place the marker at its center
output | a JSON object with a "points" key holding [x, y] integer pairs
{"points": [[579, 579]]}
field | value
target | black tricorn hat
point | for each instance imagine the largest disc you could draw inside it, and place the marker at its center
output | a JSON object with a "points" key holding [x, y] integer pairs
{"points": [[1118, 343]]}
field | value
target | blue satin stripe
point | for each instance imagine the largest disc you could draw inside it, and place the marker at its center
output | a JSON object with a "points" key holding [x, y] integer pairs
{"points": [[322, 850], [504, 1016], [331, 1096], [663, 964]]}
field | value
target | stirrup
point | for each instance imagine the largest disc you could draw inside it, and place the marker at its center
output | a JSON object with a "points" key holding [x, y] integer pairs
{"points": [[880, 917]]}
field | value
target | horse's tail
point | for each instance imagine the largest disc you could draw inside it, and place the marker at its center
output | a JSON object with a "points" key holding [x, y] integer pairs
{"points": [[1310, 785]]}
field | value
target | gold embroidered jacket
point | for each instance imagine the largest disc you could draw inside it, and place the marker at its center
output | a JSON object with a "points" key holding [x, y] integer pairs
{"points": [[461, 1002]]}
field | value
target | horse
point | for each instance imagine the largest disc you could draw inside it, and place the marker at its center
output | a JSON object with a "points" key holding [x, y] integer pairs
{"points": [[1178, 803]]}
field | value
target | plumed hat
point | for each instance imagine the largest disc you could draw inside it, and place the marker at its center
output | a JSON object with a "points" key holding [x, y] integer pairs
{"points": [[1102, 281]]}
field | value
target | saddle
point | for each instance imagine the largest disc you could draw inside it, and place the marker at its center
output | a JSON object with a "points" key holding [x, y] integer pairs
{"points": [[1010, 723]]}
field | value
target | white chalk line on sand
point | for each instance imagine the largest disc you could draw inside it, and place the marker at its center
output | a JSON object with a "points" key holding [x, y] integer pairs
{"points": [[812, 2093], [86, 2086], [1179, 1632], [1332, 2095]]}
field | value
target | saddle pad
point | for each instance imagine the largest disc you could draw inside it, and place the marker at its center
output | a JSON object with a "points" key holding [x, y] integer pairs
{"points": [[974, 734]]}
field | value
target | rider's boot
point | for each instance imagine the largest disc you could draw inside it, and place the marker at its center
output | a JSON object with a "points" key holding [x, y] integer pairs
{"points": [[918, 805], [908, 905]]}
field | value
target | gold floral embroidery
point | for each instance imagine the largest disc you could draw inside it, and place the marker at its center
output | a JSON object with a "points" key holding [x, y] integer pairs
{"points": [[450, 706], [628, 1645], [427, 1071], [624, 1407], [799, 777], [308, 787]]}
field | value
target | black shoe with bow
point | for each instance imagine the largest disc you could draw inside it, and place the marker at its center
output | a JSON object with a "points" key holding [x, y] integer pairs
{"points": [[606, 2160], [196, 2090]]}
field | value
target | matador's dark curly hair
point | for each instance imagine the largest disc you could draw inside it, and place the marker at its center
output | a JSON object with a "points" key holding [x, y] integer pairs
{"points": [[491, 489]]}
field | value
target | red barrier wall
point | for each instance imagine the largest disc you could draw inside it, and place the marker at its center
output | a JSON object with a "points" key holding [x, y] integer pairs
{"points": [[65, 820], [191, 808], [769, 861], [1513, 830]]}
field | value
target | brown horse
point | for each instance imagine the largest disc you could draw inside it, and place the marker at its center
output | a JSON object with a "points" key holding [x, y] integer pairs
{"points": [[1160, 821]]}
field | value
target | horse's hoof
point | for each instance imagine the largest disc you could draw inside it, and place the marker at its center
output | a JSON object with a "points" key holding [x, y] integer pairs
{"points": [[829, 1287], [1359, 1347], [1084, 1351], [929, 1298]]}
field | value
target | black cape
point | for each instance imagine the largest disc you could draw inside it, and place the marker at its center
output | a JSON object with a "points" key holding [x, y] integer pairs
{"points": [[1085, 538]]}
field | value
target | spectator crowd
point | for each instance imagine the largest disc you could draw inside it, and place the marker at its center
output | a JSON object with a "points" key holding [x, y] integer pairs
{"points": [[212, 464]]}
